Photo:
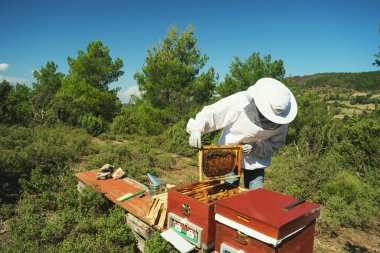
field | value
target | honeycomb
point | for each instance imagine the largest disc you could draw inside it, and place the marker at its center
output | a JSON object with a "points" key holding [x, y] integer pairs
{"points": [[217, 162]]}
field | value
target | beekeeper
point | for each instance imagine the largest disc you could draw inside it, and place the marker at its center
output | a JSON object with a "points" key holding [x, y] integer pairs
{"points": [[257, 118]]}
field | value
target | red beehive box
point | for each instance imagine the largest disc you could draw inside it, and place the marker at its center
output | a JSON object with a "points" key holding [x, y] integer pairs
{"points": [[191, 206], [257, 221]]}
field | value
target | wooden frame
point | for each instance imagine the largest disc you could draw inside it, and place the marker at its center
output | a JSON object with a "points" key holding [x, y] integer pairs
{"points": [[234, 148]]}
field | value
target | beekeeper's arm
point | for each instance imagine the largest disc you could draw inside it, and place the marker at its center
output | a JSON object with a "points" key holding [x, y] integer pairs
{"points": [[213, 117], [266, 148]]}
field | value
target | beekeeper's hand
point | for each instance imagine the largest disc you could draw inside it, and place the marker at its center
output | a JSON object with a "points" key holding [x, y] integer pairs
{"points": [[195, 139], [247, 148]]}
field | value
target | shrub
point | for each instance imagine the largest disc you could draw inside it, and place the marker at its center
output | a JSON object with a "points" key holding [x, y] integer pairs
{"points": [[165, 162], [56, 147], [6, 211], [126, 122], [347, 201], [117, 155], [22, 150], [176, 139], [156, 244], [93, 125], [300, 174], [53, 216]]}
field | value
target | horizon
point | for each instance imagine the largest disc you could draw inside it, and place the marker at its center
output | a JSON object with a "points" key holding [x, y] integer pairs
{"points": [[310, 37]]}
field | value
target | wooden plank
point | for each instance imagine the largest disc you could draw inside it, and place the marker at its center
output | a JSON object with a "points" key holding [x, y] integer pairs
{"points": [[162, 196], [151, 210], [140, 241], [156, 211], [80, 186], [138, 226], [115, 188], [162, 220]]}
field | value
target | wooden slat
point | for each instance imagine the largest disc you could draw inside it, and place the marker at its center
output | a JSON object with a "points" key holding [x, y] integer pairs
{"points": [[157, 211], [200, 165], [138, 226], [140, 241], [162, 220]]}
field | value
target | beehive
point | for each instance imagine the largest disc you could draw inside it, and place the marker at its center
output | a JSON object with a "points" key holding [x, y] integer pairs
{"points": [[267, 222], [194, 202]]}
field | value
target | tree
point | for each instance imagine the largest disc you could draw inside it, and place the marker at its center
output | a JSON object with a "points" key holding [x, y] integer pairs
{"points": [[5, 88], [84, 93], [95, 66], [48, 83], [15, 106], [377, 60], [245, 73], [77, 98], [170, 77]]}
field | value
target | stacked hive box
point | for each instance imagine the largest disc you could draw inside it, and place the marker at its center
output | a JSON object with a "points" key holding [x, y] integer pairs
{"points": [[266, 222]]}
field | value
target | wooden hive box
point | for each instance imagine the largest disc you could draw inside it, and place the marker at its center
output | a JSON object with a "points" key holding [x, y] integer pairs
{"points": [[191, 206], [257, 221]]}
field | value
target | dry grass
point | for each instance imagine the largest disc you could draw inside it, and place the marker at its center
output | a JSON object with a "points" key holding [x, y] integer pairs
{"points": [[347, 240]]}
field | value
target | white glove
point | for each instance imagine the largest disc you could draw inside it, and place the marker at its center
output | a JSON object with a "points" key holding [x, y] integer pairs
{"points": [[195, 139], [247, 148]]}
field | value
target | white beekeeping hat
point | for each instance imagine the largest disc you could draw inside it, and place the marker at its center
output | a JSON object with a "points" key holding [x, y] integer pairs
{"points": [[274, 100]]}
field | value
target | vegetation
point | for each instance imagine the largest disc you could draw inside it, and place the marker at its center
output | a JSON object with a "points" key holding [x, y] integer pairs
{"points": [[171, 82], [15, 107], [244, 73], [364, 81], [45, 137], [377, 56]]}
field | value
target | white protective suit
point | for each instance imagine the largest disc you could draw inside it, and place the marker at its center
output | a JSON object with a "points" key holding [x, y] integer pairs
{"points": [[228, 113]]}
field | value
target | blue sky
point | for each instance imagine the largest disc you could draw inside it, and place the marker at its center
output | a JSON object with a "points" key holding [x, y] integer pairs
{"points": [[309, 36]]}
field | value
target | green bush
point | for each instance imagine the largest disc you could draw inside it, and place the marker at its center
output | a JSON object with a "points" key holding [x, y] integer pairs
{"points": [[22, 150], [347, 202], [156, 244], [331, 162], [93, 125], [302, 175], [56, 147], [165, 162], [6, 211], [176, 139], [53, 216], [117, 155], [126, 122], [360, 142]]}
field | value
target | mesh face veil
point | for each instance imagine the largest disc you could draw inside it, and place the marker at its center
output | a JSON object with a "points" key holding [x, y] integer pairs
{"points": [[257, 118]]}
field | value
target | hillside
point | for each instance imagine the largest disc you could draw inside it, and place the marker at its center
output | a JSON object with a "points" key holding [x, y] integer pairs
{"points": [[346, 93], [361, 81]]}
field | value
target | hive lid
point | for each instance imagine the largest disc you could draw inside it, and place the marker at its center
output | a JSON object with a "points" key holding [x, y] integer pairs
{"points": [[215, 161], [264, 211]]}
